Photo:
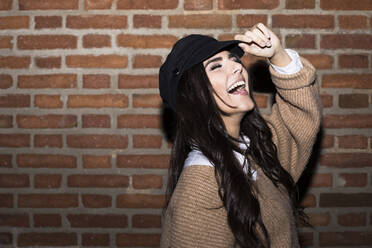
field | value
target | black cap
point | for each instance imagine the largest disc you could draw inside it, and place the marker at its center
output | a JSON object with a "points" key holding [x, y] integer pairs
{"points": [[186, 53]]}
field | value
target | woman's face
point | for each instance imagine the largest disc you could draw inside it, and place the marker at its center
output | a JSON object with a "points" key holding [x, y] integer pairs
{"points": [[229, 80]]}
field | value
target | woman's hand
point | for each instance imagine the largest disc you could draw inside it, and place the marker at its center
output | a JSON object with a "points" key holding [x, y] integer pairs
{"points": [[261, 41]]}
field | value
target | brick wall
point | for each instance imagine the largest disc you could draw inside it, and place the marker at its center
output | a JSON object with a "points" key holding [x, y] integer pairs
{"points": [[83, 160]]}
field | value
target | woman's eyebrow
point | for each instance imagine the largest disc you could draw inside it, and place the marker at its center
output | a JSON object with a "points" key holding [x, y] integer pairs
{"points": [[212, 60]]}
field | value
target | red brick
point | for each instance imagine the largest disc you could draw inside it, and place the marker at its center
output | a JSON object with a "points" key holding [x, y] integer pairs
{"points": [[54, 81], [143, 161], [303, 21], [98, 220], [345, 5], [137, 81], [46, 161], [48, 181], [327, 100], [340, 41], [49, 239], [48, 101], [328, 141], [98, 101], [48, 4], [352, 219], [6, 238], [48, 200], [96, 161], [345, 200], [352, 180], [309, 201], [353, 61], [146, 101], [97, 22], [6, 200], [146, 41], [261, 100], [14, 181], [356, 81], [198, 5], [147, 181], [304, 4], [319, 219], [322, 180], [6, 42], [247, 21], [48, 22], [14, 101], [15, 62], [96, 121], [146, 221], [97, 4], [319, 61], [37, 42], [346, 160], [353, 141], [97, 61], [147, 21], [137, 239], [14, 22], [351, 239], [47, 220], [347, 121], [14, 220], [6, 81], [96, 81], [95, 239], [96, 201], [96, 41], [97, 141], [138, 121], [147, 141], [306, 239], [6, 161], [300, 41], [6, 121], [146, 4], [140, 201], [147, 61], [352, 22], [14, 140], [48, 140], [46, 121], [48, 62], [100, 181], [207, 21], [243, 4], [6, 4], [353, 100]]}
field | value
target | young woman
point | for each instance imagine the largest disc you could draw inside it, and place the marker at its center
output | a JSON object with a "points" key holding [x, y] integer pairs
{"points": [[233, 171]]}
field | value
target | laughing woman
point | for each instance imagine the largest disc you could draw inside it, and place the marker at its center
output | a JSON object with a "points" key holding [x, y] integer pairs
{"points": [[233, 172]]}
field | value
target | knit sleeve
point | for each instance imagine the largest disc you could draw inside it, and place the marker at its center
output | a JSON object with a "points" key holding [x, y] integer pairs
{"points": [[295, 117], [195, 216]]}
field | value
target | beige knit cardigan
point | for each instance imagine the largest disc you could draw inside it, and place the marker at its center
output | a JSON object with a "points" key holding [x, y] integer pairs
{"points": [[192, 220]]}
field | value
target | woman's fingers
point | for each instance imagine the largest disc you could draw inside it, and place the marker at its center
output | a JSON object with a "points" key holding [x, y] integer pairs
{"points": [[265, 31]]}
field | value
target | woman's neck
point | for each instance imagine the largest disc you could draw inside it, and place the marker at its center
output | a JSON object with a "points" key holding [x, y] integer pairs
{"points": [[232, 124]]}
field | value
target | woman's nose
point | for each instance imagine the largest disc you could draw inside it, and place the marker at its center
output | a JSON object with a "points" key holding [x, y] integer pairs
{"points": [[237, 67]]}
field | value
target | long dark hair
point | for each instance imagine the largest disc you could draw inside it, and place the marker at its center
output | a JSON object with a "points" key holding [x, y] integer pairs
{"points": [[199, 125]]}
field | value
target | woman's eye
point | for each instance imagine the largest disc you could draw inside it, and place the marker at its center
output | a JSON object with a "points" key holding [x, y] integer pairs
{"points": [[215, 66]]}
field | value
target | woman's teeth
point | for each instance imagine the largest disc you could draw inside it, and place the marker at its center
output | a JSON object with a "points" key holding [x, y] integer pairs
{"points": [[235, 86]]}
